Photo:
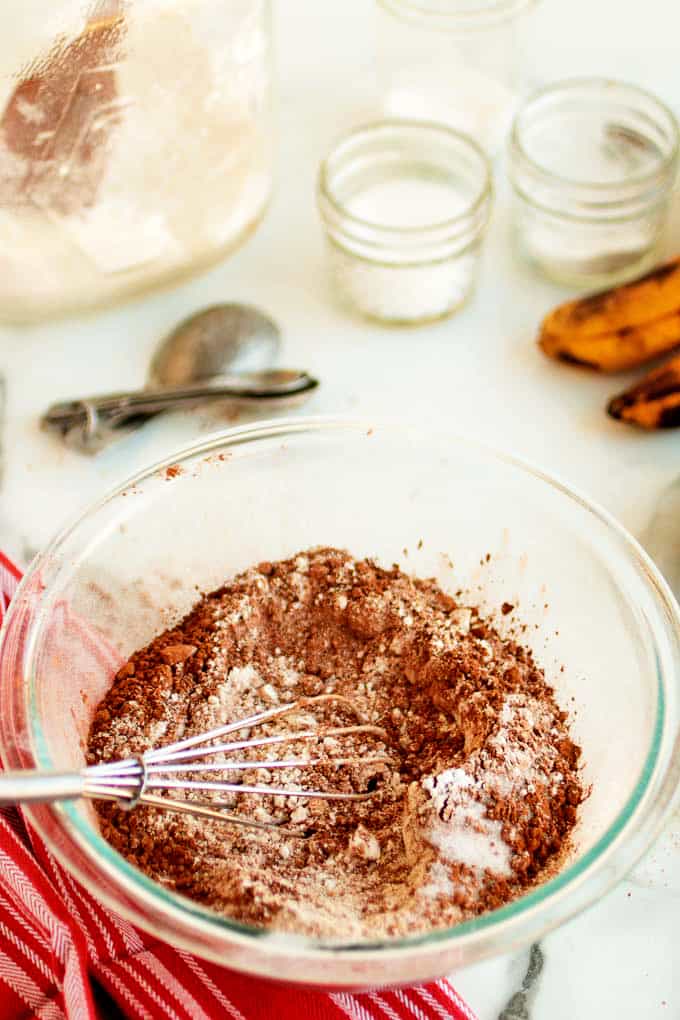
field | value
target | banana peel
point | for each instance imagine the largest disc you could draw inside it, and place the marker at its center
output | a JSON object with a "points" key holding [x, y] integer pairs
{"points": [[620, 328], [649, 297], [617, 350], [654, 402]]}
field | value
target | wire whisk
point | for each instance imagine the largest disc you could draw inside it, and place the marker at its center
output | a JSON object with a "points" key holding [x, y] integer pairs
{"points": [[147, 778]]}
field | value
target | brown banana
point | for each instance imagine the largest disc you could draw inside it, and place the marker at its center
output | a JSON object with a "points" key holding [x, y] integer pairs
{"points": [[654, 402], [619, 349], [651, 297]]}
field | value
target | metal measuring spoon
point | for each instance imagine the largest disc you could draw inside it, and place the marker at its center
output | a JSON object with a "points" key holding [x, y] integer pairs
{"points": [[187, 370], [202, 346]]}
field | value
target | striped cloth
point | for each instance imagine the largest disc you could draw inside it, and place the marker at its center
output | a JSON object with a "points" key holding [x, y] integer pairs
{"points": [[56, 941]]}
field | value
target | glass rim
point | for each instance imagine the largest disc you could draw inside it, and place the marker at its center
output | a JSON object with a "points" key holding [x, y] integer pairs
{"points": [[610, 212], [474, 931], [578, 185], [373, 129], [432, 13]]}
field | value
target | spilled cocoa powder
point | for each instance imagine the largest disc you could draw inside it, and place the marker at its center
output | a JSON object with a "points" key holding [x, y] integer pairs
{"points": [[475, 790]]}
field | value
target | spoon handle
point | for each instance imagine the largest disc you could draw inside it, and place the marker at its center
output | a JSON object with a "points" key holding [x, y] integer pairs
{"points": [[88, 420]]}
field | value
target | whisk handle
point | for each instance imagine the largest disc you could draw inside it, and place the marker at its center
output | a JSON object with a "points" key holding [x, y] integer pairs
{"points": [[39, 787]]}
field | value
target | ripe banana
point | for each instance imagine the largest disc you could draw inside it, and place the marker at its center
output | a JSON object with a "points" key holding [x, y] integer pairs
{"points": [[654, 402], [619, 328], [619, 350]]}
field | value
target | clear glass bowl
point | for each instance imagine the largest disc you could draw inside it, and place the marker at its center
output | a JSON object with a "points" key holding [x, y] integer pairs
{"points": [[593, 601]]}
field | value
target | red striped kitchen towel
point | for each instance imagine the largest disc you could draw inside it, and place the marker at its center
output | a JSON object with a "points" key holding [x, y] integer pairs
{"points": [[56, 940]]}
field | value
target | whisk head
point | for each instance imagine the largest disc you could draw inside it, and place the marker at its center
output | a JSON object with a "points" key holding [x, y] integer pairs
{"points": [[154, 776]]}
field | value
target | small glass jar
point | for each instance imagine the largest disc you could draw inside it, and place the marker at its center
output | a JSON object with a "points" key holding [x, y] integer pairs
{"points": [[405, 205], [592, 164], [458, 62]]}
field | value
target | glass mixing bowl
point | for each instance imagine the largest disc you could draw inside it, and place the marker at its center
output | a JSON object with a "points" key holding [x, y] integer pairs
{"points": [[593, 601]]}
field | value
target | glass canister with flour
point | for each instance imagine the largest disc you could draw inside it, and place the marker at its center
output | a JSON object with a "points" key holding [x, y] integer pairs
{"points": [[135, 144]]}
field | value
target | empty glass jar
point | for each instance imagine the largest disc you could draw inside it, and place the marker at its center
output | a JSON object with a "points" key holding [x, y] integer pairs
{"points": [[135, 144], [458, 62], [592, 163]]}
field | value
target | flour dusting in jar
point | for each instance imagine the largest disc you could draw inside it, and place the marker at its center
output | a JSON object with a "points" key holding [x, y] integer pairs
{"points": [[133, 146]]}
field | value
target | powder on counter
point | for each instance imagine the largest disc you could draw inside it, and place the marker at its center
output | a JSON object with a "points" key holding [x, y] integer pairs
{"points": [[475, 800]]}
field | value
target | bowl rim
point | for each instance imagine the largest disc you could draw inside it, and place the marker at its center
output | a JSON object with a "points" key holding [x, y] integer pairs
{"points": [[582, 882]]}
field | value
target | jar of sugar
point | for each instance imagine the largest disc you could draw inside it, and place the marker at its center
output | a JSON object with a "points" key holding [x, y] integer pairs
{"points": [[458, 62], [405, 205]]}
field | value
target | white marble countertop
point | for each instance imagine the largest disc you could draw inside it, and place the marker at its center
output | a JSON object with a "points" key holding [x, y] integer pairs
{"points": [[478, 372]]}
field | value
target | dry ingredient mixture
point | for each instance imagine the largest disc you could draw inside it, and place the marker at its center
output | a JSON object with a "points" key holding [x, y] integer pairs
{"points": [[475, 803]]}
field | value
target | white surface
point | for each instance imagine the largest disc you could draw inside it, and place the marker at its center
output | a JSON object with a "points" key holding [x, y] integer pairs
{"points": [[478, 372]]}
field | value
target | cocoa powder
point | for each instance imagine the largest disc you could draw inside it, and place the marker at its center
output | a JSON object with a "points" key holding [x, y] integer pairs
{"points": [[474, 803]]}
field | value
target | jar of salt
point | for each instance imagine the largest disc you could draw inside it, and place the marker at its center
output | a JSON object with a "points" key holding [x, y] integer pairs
{"points": [[405, 205]]}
